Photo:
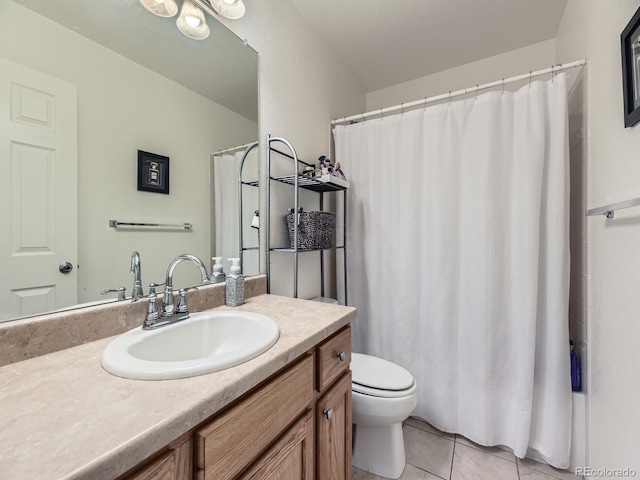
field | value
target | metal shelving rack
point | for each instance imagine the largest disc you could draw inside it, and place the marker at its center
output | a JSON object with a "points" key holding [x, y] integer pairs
{"points": [[298, 181], [241, 183]]}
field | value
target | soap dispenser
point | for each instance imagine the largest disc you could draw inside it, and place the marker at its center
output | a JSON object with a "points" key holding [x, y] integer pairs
{"points": [[235, 284], [217, 274]]}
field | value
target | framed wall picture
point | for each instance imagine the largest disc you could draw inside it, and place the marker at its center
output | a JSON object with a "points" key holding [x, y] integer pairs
{"points": [[630, 42], [153, 172]]}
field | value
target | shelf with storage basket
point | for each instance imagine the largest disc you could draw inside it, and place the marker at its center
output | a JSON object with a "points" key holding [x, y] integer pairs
{"points": [[308, 231]]}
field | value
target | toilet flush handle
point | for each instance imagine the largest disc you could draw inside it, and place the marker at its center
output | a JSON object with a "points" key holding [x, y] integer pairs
{"points": [[342, 356], [328, 413]]}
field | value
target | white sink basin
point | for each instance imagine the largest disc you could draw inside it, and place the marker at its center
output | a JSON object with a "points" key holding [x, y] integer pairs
{"points": [[204, 343]]}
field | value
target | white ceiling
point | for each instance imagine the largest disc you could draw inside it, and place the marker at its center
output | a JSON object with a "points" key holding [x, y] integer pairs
{"points": [[386, 42]]}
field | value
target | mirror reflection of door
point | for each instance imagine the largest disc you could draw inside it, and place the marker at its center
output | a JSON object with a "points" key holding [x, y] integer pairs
{"points": [[38, 158]]}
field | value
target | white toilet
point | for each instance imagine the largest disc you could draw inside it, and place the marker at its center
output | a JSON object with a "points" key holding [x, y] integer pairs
{"points": [[384, 395]]}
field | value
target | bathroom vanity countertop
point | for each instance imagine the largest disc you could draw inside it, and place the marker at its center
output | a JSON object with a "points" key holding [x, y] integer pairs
{"points": [[63, 416]]}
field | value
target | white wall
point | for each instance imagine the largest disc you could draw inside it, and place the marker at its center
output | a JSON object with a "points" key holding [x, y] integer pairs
{"points": [[123, 107], [591, 29], [533, 57], [302, 88]]}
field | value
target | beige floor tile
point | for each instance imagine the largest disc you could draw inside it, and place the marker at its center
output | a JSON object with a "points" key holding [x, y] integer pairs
{"points": [[358, 474], [414, 473], [422, 425], [427, 451], [473, 464], [547, 469], [528, 474], [497, 451]]}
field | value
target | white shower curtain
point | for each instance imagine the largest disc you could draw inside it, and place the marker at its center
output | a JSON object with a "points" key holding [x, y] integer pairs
{"points": [[458, 238], [227, 238]]}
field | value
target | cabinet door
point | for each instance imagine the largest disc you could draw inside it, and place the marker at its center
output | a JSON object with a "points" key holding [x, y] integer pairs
{"points": [[175, 464], [333, 416], [235, 439], [290, 458]]}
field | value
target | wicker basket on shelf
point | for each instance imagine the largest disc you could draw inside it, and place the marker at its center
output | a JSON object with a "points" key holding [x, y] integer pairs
{"points": [[315, 229]]}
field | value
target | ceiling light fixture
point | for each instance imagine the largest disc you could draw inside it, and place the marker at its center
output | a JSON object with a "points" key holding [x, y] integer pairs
{"points": [[191, 21], [162, 8], [231, 9]]}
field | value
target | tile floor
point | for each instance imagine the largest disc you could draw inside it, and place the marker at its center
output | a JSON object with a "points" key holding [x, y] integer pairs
{"points": [[435, 455]]}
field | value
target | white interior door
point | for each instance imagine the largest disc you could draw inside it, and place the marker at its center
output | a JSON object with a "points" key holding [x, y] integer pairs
{"points": [[38, 200]]}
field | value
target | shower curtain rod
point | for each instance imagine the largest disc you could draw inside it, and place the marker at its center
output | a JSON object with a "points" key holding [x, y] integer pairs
{"points": [[234, 149], [457, 93]]}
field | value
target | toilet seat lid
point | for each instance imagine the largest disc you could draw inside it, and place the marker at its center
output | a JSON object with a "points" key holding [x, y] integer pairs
{"points": [[374, 372]]}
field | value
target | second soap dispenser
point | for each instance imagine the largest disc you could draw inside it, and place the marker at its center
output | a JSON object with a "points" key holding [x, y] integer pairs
{"points": [[234, 291], [217, 273]]}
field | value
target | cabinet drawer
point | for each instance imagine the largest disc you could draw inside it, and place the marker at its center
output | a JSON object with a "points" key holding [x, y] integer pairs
{"points": [[334, 357], [235, 438]]}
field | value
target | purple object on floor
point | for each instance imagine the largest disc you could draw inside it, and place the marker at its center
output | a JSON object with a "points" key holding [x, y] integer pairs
{"points": [[576, 384]]}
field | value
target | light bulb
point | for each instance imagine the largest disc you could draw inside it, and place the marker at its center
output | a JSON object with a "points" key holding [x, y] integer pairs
{"points": [[162, 8], [232, 9], [192, 21]]}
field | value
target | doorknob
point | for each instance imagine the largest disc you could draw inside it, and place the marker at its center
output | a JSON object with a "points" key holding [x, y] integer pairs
{"points": [[65, 267]]}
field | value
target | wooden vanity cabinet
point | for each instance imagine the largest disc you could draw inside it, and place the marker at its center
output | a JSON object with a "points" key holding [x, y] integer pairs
{"points": [[291, 457], [233, 440], [174, 463], [294, 426]]}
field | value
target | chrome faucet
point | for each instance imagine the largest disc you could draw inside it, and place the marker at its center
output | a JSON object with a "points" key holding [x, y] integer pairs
{"points": [[120, 291], [168, 308], [137, 292]]}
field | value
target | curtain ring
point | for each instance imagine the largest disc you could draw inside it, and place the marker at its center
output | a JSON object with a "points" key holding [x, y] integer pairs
{"points": [[477, 85], [402, 109], [425, 103], [503, 86], [449, 97], [529, 78], [381, 114], [362, 117]]}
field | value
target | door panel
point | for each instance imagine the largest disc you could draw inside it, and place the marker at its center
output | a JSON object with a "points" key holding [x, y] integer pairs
{"points": [[38, 155]]}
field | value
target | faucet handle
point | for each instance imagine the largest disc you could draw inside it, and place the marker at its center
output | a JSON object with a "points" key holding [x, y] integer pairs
{"points": [[182, 300], [152, 308], [152, 288], [152, 291], [120, 291]]}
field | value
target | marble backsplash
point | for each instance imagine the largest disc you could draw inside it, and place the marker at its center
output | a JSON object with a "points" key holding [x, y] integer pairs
{"points": [[35, 336]]}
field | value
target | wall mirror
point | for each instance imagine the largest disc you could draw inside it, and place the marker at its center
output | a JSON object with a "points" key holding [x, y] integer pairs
{"points": [[85, 86]]}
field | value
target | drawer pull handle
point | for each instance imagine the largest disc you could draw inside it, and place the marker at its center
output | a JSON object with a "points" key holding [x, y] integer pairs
{"points": [[328, 413], [342, 356]]}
